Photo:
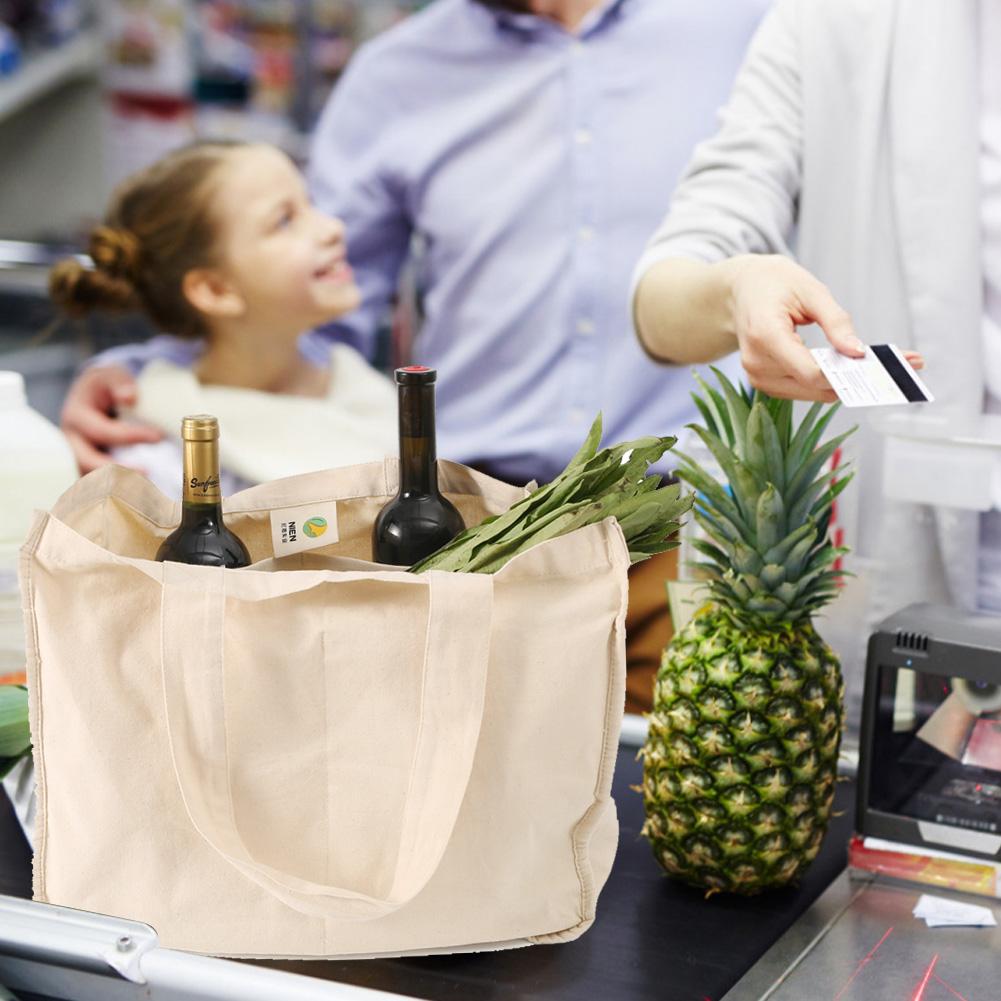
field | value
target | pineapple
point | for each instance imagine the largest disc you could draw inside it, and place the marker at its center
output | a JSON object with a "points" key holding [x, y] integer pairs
{"points": [[740, 761]]}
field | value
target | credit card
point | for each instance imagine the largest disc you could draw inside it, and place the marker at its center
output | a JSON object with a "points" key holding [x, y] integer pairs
{"points": [[882, 378]]}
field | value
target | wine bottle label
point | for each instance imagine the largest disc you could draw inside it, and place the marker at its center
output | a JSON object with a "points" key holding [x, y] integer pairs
{"points": [[308, 526], [201, 472]]}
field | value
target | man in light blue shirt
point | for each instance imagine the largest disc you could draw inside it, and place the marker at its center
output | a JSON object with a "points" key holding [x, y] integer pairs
{"points": [[531, 155], [529, 146]]}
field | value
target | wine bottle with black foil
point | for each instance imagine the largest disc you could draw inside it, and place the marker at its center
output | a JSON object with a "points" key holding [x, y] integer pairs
{"points": [[202, 536], [418, 520]]}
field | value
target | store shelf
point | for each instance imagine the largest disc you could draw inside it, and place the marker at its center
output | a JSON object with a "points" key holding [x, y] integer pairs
{"points": [[41, 74]]}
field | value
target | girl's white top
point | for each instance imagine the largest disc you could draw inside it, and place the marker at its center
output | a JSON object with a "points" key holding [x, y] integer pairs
{"points": [[266, 436]]}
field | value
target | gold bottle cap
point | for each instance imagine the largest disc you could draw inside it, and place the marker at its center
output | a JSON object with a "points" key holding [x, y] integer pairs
{"points": [[200, 427]]}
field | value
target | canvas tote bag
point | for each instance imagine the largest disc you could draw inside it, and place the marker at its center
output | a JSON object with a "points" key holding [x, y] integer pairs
{"points": [[317, 756]]}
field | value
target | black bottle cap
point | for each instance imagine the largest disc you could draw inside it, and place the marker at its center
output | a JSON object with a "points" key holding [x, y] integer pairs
{"points": [[416, 375]]}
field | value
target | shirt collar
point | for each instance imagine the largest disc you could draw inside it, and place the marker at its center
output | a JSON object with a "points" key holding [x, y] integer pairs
{"points": [[530, 23]]}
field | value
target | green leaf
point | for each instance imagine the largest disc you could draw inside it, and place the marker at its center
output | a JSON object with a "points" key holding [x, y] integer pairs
{"points": [[719, 527], [815, 498], [706, 413], [764, 450], [712, 493], [780, 553], [745, 483], [770, 518], [782, 413], [746, 560], [798, 448], [612, 482], [805, 475], [738, 410], [768, 607], [712, 552], [824, 503], [796, 561], [589, 448], [812, 439], [723, 425], [740, 590], [15, 733]]}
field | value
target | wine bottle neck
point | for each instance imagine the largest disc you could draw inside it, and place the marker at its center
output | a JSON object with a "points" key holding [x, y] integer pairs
{"points": [[418, 451]]}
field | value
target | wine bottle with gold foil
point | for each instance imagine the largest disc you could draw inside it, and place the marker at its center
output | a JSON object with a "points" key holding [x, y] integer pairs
{"points": [[418, 520], [202, 536]]}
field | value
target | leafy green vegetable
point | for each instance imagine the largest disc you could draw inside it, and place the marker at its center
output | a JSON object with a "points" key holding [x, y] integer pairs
{"points": [[612, 482], [15, 736]]}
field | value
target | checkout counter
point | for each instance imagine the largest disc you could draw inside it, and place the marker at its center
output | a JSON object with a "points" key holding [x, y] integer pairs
{"points": [[838, 935], [654, 939], [832, 937]]}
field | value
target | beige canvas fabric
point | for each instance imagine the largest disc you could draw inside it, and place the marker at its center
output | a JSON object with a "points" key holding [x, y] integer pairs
{"points": [[317, 756]]}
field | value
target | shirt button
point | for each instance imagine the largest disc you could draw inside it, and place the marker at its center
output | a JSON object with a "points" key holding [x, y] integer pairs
{"points": [[585, 233], [585, 327], [583, 137]]}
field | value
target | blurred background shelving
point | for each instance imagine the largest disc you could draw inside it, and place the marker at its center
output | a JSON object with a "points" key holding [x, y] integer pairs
{"points": [[92, 90]]}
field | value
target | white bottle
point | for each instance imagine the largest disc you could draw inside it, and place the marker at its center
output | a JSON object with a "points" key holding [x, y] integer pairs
{"points": [[36, 466]]}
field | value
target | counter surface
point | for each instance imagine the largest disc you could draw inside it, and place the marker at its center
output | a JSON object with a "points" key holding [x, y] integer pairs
{"points": [[653, 938]]}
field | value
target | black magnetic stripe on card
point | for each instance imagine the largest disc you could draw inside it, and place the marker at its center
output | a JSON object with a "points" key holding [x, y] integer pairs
{"points": [[905, 382]]}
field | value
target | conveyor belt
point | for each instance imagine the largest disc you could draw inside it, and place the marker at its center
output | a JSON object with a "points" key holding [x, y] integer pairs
{"points": [[653, 940]]}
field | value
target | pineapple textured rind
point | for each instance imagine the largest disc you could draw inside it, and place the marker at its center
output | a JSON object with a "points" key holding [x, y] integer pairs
{"points": [[741, 758]]}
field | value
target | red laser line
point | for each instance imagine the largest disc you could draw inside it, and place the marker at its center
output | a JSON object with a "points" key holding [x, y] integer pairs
{"points": [[920, 993], [948, 987], [865, 959]]}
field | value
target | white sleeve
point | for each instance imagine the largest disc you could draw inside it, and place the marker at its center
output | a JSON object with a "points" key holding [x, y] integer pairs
{"points": [[740, 190], [161, 461]]}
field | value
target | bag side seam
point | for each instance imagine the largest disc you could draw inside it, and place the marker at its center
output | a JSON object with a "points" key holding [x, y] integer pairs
{"points": [[41, 839], [584, 826]]}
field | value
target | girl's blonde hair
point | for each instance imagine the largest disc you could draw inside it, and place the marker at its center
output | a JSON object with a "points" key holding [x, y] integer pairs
{"points": [[158, 227]]}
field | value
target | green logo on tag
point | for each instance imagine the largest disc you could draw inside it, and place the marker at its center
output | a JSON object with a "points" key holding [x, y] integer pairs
{"points": [[314, 527]]}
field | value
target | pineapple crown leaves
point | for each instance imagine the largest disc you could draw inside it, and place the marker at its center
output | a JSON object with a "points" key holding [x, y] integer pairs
{"points": [[767, 555], [596, 484]]}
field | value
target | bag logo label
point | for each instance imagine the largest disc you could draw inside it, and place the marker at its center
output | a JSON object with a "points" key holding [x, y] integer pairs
{"points": [[298, 529], [314, 527]]}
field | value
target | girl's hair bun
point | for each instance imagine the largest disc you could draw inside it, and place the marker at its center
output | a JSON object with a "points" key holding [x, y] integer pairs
{"points": [[115, 252], [159, 226], [110, 285]]}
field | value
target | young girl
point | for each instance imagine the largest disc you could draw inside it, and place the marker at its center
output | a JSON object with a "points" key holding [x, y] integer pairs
{"points": [[219, 243]]}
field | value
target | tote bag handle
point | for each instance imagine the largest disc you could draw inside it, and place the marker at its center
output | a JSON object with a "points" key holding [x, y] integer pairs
{"points": [[454, 669]]}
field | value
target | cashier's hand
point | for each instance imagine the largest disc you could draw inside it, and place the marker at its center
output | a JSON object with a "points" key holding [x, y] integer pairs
{"points": [[88, 418], [770, 297]]}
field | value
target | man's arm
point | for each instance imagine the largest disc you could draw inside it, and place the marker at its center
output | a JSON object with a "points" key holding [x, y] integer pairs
{"points": [[107, 385], [89, 418], [717, 276], [350, 177], [696, 312]]}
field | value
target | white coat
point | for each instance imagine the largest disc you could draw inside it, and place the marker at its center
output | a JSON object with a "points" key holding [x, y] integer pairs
{"points": [[852, 134]]}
